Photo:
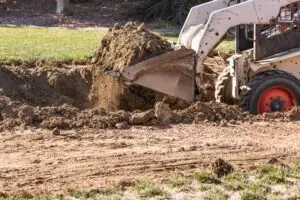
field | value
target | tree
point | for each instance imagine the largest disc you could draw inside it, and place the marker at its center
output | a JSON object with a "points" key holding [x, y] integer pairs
{"points": [[62, 5], [168, 10]]}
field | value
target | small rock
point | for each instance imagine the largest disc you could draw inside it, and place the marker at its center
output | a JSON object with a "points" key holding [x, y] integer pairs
{"points": [[56, 131], [122, 125]]}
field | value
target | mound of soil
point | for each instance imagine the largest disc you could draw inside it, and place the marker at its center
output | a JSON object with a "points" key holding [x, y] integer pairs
{"points": [[128, 45], [17, 113], [120, 48], [46, 86]]}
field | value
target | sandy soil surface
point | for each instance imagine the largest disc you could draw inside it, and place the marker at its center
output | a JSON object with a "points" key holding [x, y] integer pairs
{"points": [[38, 161]]}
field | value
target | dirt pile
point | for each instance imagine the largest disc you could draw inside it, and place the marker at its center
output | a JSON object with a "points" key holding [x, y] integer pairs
{"points": [[128, 45], [46, 86], [120, 48], [15, 113]]}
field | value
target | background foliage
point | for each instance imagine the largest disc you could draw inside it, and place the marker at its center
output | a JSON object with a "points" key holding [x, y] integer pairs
{"points": [[174, 11]]}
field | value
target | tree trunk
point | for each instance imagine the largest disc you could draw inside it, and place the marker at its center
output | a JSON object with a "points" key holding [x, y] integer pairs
{"points": [[62, 5]]}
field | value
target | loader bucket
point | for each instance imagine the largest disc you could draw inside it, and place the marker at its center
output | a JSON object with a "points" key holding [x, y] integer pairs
{"points": [[171, 73]]}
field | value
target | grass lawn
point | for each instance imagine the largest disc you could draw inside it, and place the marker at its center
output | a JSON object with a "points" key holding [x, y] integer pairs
{"points": [[28, 43], [20, 43]]}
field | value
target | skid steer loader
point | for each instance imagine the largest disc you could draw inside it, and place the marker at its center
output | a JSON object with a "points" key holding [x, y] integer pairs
{"points": [[263, 75]]}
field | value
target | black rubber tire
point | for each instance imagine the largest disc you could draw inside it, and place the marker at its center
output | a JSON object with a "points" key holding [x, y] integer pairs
{"points": [[223, 91], [261, 82]]}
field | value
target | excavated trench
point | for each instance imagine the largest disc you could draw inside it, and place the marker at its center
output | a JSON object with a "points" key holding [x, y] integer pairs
{"points": [[66, 96]]}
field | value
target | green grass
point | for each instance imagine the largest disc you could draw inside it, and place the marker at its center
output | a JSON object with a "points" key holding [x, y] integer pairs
{"points": [[272, 174], [148, 189], [255, 191], [226, 46], [206, 177], [215, 194], [28, 196], [25, 43], [235, 181], [59, 44], [172, 37], [177, 181], [252, 196]]}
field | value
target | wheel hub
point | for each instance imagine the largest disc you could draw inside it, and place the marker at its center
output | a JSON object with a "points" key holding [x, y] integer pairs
{"points": [[277, 105], [276, 99]]}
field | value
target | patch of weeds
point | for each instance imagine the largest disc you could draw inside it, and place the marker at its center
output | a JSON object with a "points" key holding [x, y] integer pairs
{"points": [[92, 193], [177, 181], [148, 189], [255, 191], [294, 197], [246, 195], [235, 181], [206, 177], [216, 194], [28, 196], [3, 195], [272, 174], [205, 187]]}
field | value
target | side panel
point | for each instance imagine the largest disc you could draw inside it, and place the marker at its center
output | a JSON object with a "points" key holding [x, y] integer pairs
{"points": [[291, 65]]}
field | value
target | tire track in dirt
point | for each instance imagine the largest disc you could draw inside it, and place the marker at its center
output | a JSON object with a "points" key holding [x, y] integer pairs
{"points": [[37, 161]]}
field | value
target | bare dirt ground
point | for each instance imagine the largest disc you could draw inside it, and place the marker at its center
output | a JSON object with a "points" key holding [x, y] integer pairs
{"points": [[37, 161], [43, 13]]}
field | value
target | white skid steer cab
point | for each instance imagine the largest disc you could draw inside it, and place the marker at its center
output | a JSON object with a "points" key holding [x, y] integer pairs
{"points": [[263, 75]]}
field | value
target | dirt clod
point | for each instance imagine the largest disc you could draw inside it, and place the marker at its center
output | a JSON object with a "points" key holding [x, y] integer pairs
{"points": [[142, 118], [26, 114]]}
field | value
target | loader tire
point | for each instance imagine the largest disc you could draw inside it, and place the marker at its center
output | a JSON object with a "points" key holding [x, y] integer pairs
{"points": [[271, 91], [223, 92]]}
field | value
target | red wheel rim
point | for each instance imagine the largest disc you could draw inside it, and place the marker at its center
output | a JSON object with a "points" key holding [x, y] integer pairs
{"points": [[276, 99]]}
